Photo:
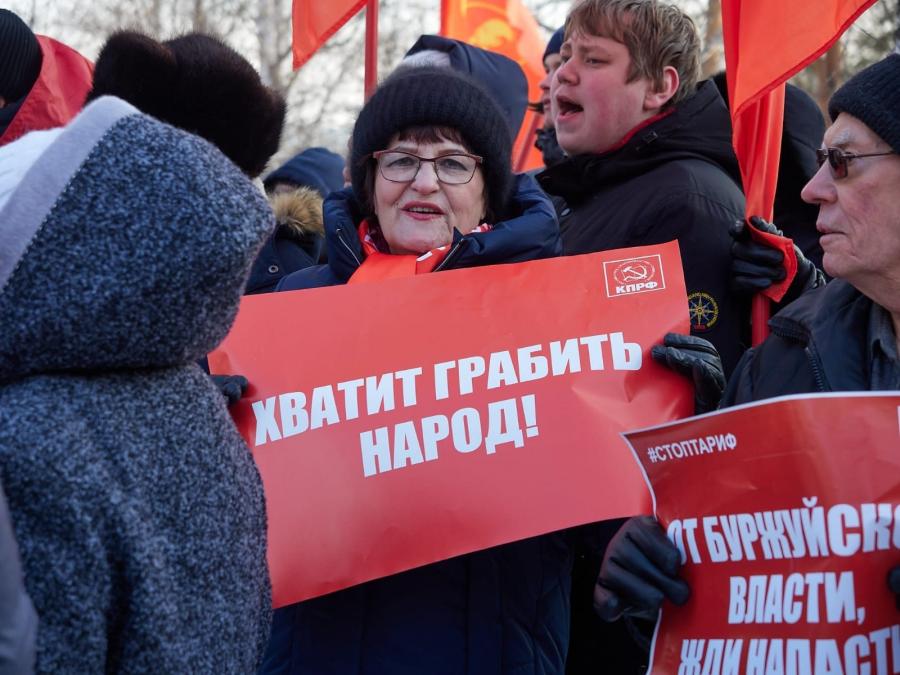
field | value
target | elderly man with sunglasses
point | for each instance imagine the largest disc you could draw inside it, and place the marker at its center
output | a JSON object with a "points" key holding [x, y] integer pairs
{"points": [[844, 336]]}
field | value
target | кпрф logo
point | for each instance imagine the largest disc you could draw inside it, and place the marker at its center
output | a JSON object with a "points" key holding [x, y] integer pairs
{"points": [[634, 275]]}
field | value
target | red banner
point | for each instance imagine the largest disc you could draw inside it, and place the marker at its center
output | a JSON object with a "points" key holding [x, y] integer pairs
{"points": [[508, 28], [407, 421], [787, 514]]}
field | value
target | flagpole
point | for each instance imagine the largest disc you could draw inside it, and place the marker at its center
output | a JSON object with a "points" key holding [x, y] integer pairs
{"points": [[371, 79], [527, 141]]}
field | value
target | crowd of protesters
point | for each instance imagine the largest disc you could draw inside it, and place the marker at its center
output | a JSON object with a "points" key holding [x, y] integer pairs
{"points": [[132, 220]]}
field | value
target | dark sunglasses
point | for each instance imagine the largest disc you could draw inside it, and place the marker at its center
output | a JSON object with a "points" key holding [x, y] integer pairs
{"points": [[839, 160]]}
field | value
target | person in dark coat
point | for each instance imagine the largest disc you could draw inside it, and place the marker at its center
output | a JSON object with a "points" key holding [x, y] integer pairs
{"points": [[431, 191], [295, 191], [650, 155], [844, 336], [138, 509], [649, 160], [546, 136]]}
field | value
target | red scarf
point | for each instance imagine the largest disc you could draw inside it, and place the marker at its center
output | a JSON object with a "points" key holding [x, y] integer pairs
{"points": [[380, 264]]}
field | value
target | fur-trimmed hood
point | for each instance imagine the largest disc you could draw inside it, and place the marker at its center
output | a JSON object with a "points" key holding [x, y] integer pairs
{"points": [[299, 213]]}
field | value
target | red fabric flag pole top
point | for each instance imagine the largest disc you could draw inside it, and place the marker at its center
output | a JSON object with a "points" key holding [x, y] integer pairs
{"points": [[508, 28], [766, 42], [314, 21], [371, 78]]}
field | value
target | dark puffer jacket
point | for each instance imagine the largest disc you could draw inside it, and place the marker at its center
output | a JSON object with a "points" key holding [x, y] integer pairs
{"points": [[137, 507], [677, 178], [500, 611], [818, 343]]}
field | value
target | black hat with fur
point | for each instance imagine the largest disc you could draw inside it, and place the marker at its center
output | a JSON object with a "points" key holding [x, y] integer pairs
{"points": [[197, 83]]}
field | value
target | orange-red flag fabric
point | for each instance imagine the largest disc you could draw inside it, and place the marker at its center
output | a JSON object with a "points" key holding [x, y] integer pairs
{"points": [[314, 21], [766, 42], [508, 28]]}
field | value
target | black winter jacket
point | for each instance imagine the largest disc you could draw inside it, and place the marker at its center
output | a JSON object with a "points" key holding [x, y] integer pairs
{"points": [[818, 343], [504, 610], [677, 178]]}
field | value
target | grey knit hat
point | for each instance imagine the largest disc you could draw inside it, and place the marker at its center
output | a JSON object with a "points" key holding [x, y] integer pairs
{"points": [[873, 97], [20, 57], [418, 96]]}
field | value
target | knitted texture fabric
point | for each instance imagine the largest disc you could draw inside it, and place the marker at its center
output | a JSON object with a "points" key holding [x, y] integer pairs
{"points": [[554, 44], [137, 507], [873, 97], [436, 97], [20, 57]]}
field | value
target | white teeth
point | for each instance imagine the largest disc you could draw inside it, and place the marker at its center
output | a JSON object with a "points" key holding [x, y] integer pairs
{"points": [[419, 209]]}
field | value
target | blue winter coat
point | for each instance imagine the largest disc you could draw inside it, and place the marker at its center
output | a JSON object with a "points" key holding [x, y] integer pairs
{"points": [[502, 610]]}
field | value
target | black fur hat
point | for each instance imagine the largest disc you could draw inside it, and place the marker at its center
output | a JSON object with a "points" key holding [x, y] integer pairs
{"points": [[432, 96], [197, 83]]}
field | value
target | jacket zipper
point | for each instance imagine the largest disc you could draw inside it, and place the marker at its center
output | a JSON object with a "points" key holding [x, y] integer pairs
{"points": [[817, 370], [450, 255], [340, 234], [811, 356]]}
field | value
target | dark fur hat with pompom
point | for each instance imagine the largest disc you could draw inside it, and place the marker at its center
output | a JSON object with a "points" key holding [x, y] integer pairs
{"points": [[197, 83]]}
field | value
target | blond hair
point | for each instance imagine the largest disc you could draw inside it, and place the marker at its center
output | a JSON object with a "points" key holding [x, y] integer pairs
{"points": [[656, 34]]}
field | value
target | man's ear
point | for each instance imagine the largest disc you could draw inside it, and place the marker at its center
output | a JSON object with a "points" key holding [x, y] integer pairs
{"points": [[655, 99], [2, 102]]}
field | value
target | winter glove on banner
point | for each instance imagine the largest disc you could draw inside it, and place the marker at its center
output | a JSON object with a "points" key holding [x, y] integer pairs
{"points": [[894, 583], [232, 387], [639, 571], [697, 359], [756, 266]]}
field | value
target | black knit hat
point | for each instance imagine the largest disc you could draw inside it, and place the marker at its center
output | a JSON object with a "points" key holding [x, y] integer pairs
{"points": [[197, 83], [418, 96], [20, 57], [873, 97]]}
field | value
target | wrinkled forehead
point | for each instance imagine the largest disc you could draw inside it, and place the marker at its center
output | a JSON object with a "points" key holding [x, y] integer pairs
{"points": [[851, 133]]}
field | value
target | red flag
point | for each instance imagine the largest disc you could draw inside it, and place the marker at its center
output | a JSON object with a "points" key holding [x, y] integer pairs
{"points": [[314, 21], [508, 28], [766, 42]]}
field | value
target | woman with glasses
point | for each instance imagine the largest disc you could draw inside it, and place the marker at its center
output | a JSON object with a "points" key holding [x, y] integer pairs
{"points": [[432, 190], [432, 187]]}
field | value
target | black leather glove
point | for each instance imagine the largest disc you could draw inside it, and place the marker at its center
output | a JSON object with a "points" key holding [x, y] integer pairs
{"points": [[232, 387], [894, 583], [697, 359], [755, 266], [639, 571]]}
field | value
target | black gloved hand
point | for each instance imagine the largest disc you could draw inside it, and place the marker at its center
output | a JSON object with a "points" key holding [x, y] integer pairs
{"points": [[697, 359], [755, 266], [639, 570], [232, 387], [894, 583]]}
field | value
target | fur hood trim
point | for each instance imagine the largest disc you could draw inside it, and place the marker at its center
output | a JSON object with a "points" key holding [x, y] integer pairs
{"points": [[300, 211]]}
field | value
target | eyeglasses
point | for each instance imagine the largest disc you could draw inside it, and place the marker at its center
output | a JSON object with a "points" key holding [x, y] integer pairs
{"points": [[839, 160], [402, 167]]}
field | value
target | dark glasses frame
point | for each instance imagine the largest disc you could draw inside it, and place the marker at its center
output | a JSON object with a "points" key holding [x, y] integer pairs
{"points": [[479, 160], [839, 160]]}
